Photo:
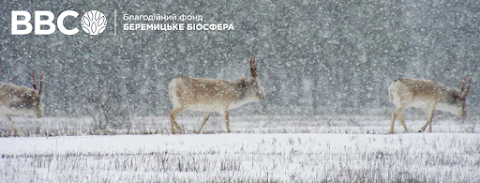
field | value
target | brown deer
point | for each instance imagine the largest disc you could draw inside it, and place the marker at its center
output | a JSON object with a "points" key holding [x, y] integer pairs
{"points": [[427, 95], [18, 100], [213, 95]]}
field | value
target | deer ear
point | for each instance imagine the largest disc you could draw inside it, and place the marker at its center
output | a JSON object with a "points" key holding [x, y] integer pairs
{"points": [[242, 83], [32, 93], [455, 95]]}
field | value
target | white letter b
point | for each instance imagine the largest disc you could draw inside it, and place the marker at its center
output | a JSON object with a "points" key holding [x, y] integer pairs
{"points": [[48, 22], [16, 22]]}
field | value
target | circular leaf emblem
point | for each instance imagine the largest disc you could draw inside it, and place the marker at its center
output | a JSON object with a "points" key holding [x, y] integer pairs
{"points": [[94, 22]]}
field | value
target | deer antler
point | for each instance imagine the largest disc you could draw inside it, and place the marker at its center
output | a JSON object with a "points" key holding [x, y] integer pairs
{"points": [[253, 67], [468, 88], [463, 83], [34, 83], [41, 84]]}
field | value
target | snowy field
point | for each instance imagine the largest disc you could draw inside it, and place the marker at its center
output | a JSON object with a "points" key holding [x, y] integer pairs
{"points": [[190, 122], [261, 149]]}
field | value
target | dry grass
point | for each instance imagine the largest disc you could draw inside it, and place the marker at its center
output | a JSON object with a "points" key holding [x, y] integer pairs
{"points": [[58, 126]]}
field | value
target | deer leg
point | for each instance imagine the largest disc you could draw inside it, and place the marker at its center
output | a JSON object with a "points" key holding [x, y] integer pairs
{"points": [[205, 119], [173, 122], [402, 120], [429, 121], [394, 116], [11, 124], [227, 120]]}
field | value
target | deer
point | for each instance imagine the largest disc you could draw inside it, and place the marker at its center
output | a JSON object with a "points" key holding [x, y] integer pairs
{"points": [[20, 100], [213, 95], [427, 95]]}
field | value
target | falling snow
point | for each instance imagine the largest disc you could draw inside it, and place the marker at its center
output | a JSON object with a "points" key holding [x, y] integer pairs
{"points": [[325, 65]]}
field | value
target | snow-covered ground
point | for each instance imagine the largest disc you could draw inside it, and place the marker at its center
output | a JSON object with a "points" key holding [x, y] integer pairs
{"points": [[311, 157], [283, 149]]}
